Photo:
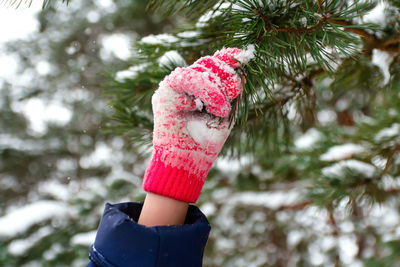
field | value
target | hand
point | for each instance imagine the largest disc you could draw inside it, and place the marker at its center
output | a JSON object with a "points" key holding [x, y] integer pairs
{"points": [[188, 131]]}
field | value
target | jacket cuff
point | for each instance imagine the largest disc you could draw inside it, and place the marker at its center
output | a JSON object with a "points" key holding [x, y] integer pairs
{"points": [[120, 241]]}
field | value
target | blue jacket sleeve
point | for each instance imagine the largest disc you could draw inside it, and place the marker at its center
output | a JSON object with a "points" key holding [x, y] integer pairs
{"points": [[120, 241]]}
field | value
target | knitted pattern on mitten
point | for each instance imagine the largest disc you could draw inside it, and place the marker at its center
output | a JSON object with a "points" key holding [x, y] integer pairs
{"points": [[188, 133]]}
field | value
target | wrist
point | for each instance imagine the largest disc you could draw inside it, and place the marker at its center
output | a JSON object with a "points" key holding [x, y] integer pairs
{"points": [[160, 210]]}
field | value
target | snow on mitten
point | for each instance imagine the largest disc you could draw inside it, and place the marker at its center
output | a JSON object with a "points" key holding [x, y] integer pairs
{"points": [[188, 134]]}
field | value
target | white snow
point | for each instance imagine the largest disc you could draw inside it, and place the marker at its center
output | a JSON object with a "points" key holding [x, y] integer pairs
{"points": [[379, 161], [225, 244], [388, 182], [316, 256], [294, 237], [271, 200], [100, 156], [382, 59], [188, 34], [84, 239], [22, 20], [40, 113], [21, 246], [291, 110], [8, 66], [326, 116], [54, 250], [342, 104], [130, 73], [106, 5], [328, 242], [385, 216], [115, 45], [199, 104], [342, 152], [55, 189], [43, 67], [204, 19], [208, 208], [339, 169], [66, 164], [388, 133], [159, 39], [303, 21], [348, 248], [171, 57], [93, 16], [228, 165], [203, 134], [19, 220], [247, 54], [311, 217], [346, 227], [10, 141], [307, 140], [377, 14]]}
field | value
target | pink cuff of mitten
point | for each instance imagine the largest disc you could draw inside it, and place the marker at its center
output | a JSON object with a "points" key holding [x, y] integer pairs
{"points": [[180, 183]]}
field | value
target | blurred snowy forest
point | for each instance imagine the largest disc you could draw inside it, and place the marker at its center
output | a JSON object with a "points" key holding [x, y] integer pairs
{"points": [[326, 194], [57, 166]]}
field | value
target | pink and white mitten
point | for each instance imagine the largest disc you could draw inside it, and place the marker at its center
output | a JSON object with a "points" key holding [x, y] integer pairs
{"points": [[188, 134]]}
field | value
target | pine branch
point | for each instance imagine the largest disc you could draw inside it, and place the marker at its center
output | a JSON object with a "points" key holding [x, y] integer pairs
{"points": [[322, 22], [391, 45]]}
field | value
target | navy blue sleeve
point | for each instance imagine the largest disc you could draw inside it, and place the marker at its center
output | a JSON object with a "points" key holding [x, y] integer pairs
{"points": [[121, 241]]}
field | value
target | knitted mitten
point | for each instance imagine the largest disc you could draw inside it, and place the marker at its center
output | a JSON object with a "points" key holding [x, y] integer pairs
{"points": [[188, 134]]}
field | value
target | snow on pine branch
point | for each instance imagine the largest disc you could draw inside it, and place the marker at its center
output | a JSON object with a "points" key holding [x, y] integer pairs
{"points": [[247, 54], [307, 140], [21, 219], [21, 246], [84, 239], [388, 133], [339, 169], [130, 73], [159, 39], [340, 152], [171, 58]]}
